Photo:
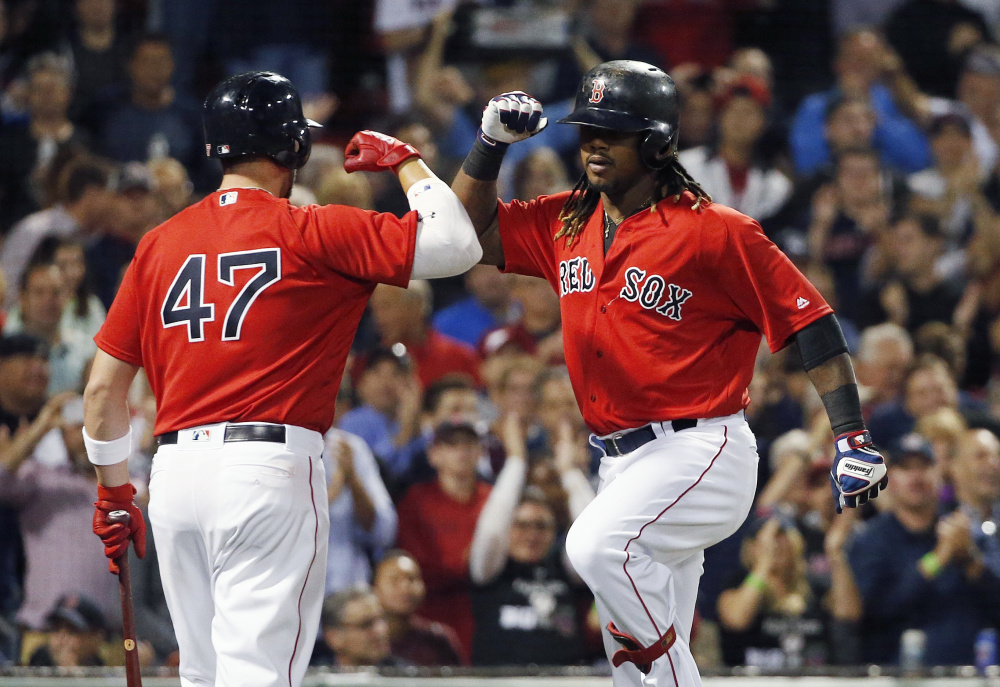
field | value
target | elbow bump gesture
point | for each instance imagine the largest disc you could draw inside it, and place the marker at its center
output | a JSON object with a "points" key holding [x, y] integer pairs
{"points": [[371, 151], [858, 471], [116, 536], [511, 117]]}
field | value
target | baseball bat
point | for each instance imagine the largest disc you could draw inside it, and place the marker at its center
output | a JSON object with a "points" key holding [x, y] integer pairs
{"points": [[132, 676]]}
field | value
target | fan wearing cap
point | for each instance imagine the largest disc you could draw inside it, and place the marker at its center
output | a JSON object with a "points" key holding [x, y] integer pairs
{"points": [[76, 632], [437, 520], [664, 297], [241, 309], [731, 169], [915, 569]]}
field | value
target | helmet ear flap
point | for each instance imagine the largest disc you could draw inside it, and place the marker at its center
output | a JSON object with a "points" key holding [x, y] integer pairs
{"points": [[296, 154], [658, 146]]}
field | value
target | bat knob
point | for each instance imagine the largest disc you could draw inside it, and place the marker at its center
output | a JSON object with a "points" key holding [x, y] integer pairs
{"points": [[119, 516]]}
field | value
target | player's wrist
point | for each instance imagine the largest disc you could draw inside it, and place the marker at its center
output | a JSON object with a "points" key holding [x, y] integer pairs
{"points": [[104, 453], [485, 159], [122, 493]]}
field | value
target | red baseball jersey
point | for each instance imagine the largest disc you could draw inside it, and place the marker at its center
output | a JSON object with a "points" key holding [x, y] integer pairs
{"points": [[243, 307], [667, 326]]}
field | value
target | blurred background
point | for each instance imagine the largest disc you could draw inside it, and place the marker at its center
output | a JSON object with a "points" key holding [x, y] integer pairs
{"points": [[863, 135]]}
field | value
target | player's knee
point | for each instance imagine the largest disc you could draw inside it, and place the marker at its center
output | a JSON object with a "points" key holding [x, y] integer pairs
{"points": [[585, 549]]}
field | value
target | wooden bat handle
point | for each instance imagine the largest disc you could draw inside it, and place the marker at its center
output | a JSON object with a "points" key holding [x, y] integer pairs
{"points": [[132, 675]]}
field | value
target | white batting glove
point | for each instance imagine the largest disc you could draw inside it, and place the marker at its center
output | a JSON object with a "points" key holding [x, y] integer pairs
{"points": [[512, 117]]}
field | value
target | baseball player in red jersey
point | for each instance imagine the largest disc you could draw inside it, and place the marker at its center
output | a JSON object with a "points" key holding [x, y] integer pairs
{"points": [[665, 297], [241, 309]]}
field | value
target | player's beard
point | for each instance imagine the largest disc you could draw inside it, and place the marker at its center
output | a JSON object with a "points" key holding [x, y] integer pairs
{"points": [[287, 192]]}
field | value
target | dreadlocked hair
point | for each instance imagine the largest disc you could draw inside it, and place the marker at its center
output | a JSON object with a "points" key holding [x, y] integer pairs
{"points": [[672, 180]]}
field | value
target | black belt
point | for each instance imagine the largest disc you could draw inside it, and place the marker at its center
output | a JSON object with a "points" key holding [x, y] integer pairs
{"points": [[626, 442], [275, 433]]}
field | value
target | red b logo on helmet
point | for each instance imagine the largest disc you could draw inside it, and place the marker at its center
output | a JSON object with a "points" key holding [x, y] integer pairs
{"points": [[597, 95]]}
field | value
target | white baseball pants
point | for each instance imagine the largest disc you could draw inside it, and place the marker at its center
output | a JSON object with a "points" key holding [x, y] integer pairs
{"points": [[640, 544], [241, 534]]}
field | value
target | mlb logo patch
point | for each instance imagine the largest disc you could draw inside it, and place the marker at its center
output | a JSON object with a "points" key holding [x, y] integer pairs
{"points": [[208, 149], [228, 198], [201, 435], [222, 150]]}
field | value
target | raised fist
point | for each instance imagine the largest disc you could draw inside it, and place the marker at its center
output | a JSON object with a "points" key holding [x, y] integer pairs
{"points": [[511, 117], [371, 151], [858, 471]]}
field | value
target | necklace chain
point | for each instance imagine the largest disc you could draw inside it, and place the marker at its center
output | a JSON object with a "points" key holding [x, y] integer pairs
{"points": [[609, 223]]}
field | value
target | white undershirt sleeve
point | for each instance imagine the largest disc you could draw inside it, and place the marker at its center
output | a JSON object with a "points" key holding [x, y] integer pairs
{"points": [[447, 244]]}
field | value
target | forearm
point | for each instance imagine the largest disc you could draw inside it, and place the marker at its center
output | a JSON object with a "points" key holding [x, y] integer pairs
{"points": [[20, 448], [838, 388], [488, 552], [844, 599], [738, 607], [364, 509], [106, 416]]}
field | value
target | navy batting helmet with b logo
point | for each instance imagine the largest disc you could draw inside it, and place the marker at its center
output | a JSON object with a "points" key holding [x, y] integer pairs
{"points": [[257, 113], [630, 96]]}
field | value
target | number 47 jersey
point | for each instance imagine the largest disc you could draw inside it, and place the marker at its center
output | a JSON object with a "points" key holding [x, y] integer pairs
{"points": [[243, 307]]}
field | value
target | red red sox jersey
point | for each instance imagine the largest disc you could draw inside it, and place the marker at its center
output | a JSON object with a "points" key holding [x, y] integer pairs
{"points": [[667, 326], [243, 307]]}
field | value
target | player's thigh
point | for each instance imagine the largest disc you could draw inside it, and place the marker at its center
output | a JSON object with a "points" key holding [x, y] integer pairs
{"points": [[679, 494]]}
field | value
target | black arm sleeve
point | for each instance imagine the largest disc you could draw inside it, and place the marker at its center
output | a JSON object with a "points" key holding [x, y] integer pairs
{"points": [[820, 341]]}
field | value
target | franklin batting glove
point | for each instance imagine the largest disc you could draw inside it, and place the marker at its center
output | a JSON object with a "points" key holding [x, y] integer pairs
{"points": [[511, 117], [858, 471], [371, 151], [116, 536]]}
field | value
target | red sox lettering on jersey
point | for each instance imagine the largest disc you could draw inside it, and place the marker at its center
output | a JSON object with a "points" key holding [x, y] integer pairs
{"points": [[575, 276], [687, 295]]}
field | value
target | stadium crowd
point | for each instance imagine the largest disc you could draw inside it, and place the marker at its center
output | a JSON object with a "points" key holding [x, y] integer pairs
{"points": [[864, 136]]}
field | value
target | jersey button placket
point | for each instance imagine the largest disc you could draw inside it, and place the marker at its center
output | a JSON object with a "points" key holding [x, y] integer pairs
{"points": [[600, 354], [604, 309], [593, 398]]}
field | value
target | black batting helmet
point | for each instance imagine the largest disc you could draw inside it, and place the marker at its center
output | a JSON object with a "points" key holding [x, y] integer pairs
{"points": [[630, 96], [257, 113]]}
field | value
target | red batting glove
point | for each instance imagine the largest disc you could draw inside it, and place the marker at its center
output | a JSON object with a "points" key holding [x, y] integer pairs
{"points": [[117, 535], [371, 151]]}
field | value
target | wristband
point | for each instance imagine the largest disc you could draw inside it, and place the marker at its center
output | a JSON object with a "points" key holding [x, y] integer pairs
{"points": [[108, 452], [484, 160], [756, 581], [930, 564], [123, 493], [843, 406]]}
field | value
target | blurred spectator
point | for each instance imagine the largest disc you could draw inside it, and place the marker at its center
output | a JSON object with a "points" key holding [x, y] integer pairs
{"points": [[55, 502], [882, 361], [84, 206], [944, 341], [976, 475], [916, 293], [401, 27], [977, 99], [944, 429], [388, 416], [353, 627], [915, 570], [403, 316], [932, 37], [76, 629], [850, 15], [847, 216], [487, 306], [769, 615], [137, 210], [689, 31], [28, 150], [413, 128], [171, 185], [400, 589], [98, 50], [83, 311], [732, 170], [363, 520], [449, 399], [40, 313], [149, 119], [340, 188], [436, 524], [858, 66], [538, 332], [512, 385], [524, 598], [542, 173], [929, 386], [950, 189], [697, 114]]}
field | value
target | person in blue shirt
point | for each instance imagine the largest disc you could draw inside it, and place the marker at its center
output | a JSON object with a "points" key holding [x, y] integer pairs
{"points": [[916, 570], [488, 306], [858, 67]]}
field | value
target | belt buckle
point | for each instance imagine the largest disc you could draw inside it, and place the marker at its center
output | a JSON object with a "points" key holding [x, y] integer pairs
{"points": [[614, 442]]}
